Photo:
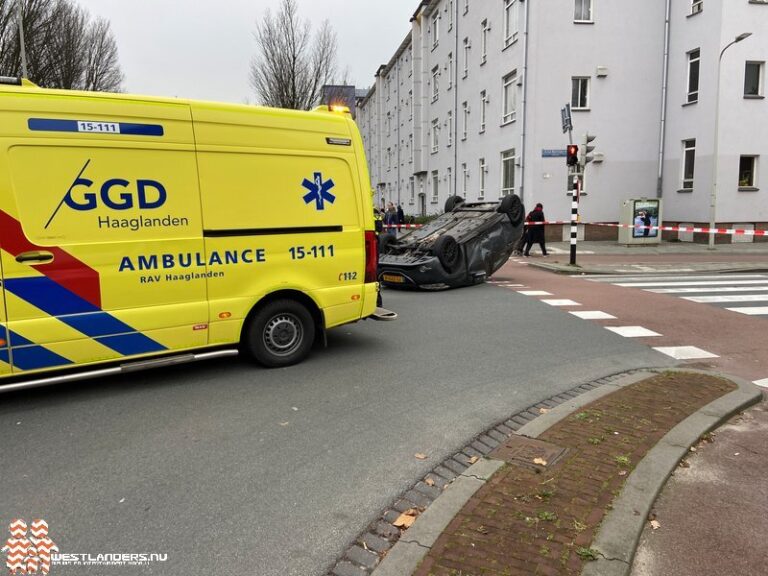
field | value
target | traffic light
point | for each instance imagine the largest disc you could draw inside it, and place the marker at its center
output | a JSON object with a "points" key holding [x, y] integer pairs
{"points": [[586, 157], [572, 155]]}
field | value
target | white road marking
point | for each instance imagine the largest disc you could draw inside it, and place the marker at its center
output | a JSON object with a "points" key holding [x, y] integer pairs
{"points": [[701, 283], [762, 383], [632, 331], [512, 285], [552, 250], [534, 293], [685, 352], [561, 302], [700, 290], [593, 315], [722, 299], [625, 278], [751, 311]]}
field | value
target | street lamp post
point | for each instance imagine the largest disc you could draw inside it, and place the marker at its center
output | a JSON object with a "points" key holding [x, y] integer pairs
{"points": [[713, 196]]}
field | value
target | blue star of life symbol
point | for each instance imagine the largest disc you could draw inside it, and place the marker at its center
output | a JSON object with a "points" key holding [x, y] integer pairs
{"points": [[318, 191]]}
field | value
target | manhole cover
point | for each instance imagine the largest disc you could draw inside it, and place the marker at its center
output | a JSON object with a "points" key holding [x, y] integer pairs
{"points": [[530, 453]]}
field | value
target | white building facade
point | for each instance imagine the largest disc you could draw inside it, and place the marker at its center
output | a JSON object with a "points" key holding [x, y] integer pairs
{"points": [[470, 104]]}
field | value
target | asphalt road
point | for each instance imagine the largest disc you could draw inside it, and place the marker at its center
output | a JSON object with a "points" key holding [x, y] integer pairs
{"points": [[228, 467]]}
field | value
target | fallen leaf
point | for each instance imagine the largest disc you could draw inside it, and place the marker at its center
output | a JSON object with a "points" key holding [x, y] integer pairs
{"points": [[284, 423], [294, 408], [543, 410], [540, 461], [622, 472], [737, 453], [692, 449], [684, 464], [429, 482], [473, 459], [404, 521], [420, 456], [122, 500], [655, 524]]}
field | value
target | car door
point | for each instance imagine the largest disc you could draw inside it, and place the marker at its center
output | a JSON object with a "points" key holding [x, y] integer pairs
{"points": [[101, 246], [5, 361]]}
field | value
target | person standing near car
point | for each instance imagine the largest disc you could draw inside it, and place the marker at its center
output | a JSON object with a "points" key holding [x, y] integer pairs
{"points": [[535, 231], [400, 215]]}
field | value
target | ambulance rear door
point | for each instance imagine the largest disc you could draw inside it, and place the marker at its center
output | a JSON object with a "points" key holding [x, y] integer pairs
{"points": [[5, 361]]}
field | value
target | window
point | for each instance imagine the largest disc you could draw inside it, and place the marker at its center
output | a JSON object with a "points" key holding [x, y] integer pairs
{"points": [[466, 57], [483, 108], [583, 11], [510, 22], [465, 120], [747, 171], [450, 183], [464, 180], [449, 9], [481, 192], [508, 98], [693, 75], [410, 104], [435, 130], [508, 172], [466, 6], [484, 42], [580, 93], [435, 29], [697, 6], [410, 148], [450, 128], [435, 84], [389, 159], [753, 79], [435, 186], [450, 70], [412, 189], [689, 160]]}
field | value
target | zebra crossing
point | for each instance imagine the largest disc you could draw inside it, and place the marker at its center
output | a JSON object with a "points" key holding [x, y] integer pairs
{"points": [[742, 293]]}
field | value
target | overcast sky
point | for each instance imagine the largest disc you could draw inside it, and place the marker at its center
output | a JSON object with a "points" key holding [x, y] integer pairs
{"points": [[202, 49]]}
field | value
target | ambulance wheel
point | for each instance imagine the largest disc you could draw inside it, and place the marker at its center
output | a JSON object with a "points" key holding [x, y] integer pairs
{"points": [[280, 334]]}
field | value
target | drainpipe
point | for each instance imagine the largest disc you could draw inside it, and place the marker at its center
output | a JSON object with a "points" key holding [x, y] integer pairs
{"points": [[663, 123], [456, 83], [524, 103]]}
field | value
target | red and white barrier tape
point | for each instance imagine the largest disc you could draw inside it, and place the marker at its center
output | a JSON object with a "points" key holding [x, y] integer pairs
{"points": [[700, 230]]}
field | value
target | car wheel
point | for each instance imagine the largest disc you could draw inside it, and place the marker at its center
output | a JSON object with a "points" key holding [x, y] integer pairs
{"points": [[447, 251], [513, 207], [384, 241], [280, 334], [453, 202]]}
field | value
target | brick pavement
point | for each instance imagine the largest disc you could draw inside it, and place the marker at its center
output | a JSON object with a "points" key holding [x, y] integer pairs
{"points": [[542, 519]]}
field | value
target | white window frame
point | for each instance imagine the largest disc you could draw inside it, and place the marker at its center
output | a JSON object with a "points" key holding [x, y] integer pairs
{"points": [[449, 9], [435, 20], [484, 41], [467, 47], [509, 98], [755, 165], [450, 128], [412, 189], [435, 83], [449, 178], [511, 22], [410, 148], [697, 6], [483, 171], [694, 59], [450, 70], [435, 135], [465, 120], [464, 179], [435, 186], [689, 153], [584, 5], [466, 6], [483, 110], [507, 162], [577, 105], [760, 81]]}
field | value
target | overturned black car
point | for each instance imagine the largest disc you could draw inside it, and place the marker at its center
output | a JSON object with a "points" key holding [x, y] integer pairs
{"points": [[461, 247]]}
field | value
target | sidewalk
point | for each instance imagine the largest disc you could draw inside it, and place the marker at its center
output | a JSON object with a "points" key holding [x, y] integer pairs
{"points": [[575, 499]]}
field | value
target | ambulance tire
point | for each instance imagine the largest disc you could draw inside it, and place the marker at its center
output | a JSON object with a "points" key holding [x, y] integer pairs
{"points": [[280, 334]]}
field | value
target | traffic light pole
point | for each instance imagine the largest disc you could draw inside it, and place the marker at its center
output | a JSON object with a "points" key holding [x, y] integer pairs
{"points": [[575, 216]]}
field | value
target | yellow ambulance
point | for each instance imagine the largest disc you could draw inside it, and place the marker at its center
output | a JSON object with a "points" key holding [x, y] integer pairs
{"points": [[139, 231]]}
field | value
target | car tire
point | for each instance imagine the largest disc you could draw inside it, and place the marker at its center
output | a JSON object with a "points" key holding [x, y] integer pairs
{"points": [[446, 249], [280, 334], [453, 202], [384, 241], [513, 207]]}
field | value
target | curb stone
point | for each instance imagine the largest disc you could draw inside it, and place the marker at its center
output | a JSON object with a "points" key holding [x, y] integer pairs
{"points": [[443, 476]]}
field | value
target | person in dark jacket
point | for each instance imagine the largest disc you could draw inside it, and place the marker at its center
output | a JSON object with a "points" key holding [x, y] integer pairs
{"points": [[400, 214], [536, 231]]}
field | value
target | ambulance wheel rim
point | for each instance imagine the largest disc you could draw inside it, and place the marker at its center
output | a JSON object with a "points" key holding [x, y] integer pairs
{"points": [[283, 334]]}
